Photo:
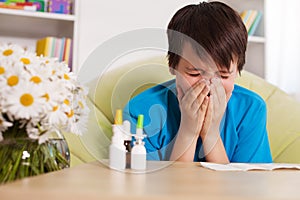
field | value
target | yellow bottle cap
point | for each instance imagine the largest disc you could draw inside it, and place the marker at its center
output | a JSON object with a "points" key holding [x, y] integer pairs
{"points": [[119, 117]]}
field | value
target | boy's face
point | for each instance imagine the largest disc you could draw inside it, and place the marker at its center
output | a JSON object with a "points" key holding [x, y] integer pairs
{"points": [[191, 69]]}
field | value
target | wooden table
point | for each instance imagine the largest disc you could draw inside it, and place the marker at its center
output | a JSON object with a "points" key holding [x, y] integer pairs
{"points": [[169, 181]]}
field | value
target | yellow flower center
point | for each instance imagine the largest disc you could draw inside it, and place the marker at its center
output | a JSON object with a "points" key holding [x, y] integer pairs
{"points": [[36, 79], [2, 70], [54, 108], [53, 72], [67, 102], [66, 77], [12, 80], [46, 96], [70, 114], [26, 99], [25, 61], [8, 52]]}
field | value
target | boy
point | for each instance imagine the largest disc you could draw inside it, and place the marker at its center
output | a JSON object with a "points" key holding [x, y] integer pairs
{"points": [[202, 115]]}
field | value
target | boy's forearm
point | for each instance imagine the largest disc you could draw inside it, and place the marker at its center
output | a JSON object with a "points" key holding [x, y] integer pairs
{"points": [[214, 149], [184, 147]]}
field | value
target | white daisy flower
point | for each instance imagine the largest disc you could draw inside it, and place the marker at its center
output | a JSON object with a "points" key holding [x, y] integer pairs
{"points": [[49, 61], [10, 51], [15, 74], [78, 117], [82, 122], [68, 106], [80, 105], [3, 87], [39, 74], [25, 101], [57, 116], [54, 93], [59, 68], [28, 58], [41, 68], [61, 71], [4, 66], [77, 127], [68, 79]]}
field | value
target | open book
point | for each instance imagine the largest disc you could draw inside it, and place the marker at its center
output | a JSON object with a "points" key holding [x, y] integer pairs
{"points": [[248, 166]]}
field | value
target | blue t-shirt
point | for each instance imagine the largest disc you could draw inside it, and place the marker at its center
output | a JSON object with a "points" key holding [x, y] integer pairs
{"points": [[243, 126]]}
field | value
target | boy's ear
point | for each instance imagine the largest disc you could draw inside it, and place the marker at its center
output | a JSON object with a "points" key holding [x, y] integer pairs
{"points": [[172, 70]]}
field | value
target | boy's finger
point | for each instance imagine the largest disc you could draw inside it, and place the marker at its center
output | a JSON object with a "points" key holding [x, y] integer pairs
{"points": [[218, 90], [179, 93]]}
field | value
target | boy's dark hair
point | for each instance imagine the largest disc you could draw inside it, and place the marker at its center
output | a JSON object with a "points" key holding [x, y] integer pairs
{"points": [[213, 26]]}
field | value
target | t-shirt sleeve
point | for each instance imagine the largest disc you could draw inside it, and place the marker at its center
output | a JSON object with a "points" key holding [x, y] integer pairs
{"points": [[253, 144]]}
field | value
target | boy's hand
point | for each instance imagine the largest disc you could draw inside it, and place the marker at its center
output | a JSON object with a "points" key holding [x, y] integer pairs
{"points": [[215, 110], [193, 102]]}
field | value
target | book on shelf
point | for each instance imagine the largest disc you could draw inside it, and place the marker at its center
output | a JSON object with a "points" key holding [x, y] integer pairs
{"points": [[28, 6], [60, 48], [15, 1], [42, 46], [52, 6], [68, 51], [60, 6], [251, 19], [41, 5]]}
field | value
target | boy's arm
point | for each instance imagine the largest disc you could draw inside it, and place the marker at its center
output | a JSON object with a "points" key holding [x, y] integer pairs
{"points": [[214, 149], [193, 105], [184, 147], [213, 146], [253, 145]]}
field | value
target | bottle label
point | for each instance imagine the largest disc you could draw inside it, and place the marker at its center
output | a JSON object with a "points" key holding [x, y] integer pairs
{"points": [[138, 161], [117, 158]]}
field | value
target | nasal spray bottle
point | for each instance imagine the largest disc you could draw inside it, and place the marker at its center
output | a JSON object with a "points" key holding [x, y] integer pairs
{"points": [[138, 152], [117, 150]]}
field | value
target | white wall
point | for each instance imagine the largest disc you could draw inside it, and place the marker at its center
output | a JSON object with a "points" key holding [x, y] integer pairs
{"points": [[100, 20], [283, 50]]}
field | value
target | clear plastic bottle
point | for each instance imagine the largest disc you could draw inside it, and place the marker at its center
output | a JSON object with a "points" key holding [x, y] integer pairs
{"points": [[138, 152]]}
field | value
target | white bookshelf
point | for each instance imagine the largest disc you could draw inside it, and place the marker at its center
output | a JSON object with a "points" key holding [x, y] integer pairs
{"points": [[26, 27], [255, 55]]}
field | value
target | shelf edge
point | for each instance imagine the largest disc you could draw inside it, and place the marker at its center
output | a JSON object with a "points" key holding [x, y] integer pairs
{"points": [[44, 15], [256, 39]]}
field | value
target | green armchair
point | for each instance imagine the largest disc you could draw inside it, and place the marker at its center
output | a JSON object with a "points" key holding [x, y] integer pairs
{"points": [[115, 88]]}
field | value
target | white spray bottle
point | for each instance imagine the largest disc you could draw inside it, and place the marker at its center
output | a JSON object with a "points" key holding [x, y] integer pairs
{"points": [[138, 152], [117, 150]]}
